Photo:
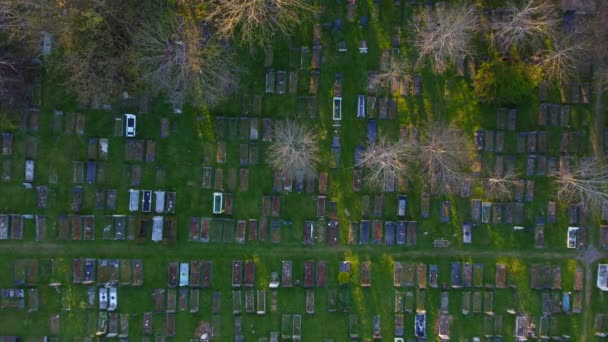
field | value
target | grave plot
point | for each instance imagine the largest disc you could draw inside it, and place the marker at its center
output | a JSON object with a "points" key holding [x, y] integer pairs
{"points": [[477, 301], [262, 229], [399, 298], [488, 301], [29, 171], [332, 233], [261, 302], [480, 137], [286, 326], [40, 233], [425, 205], [529, 190], [194, 231], [353, 228], [76, 227], [276, 206], [476, 209], [88, 229], [237, 273], [323, 177], [275, 231], [31, 147], [150, 151], [147, 324], [170, 324], [389, 233], [228, 207], [309, 233], [241, 226], [194, 299], [467, 274], [126, 272], [100, 199], [376, 232], [220, 152], [227, 228], [7, 170], [411, 227], [278, 182], [489, 141], [455, 271], [378, 206], [365, 206], [321, 206], [421, 275], [252, 230], [63, 227], [322, 274], [134, 150], [497, 213], [172, 274], [244, 180], [32, 300], [249, 279], [310, 301], [500, 141], [7, 144], [486, 212], [401, 233], [420, 301], [444, 212], [254, 129], [249, 301], [244, 128], [80, 124], [286, 273], [195, 273], [364, 232], [206, 178], [309, 274], [92, 149], [444, 302], [408, 302], [365, 270]]}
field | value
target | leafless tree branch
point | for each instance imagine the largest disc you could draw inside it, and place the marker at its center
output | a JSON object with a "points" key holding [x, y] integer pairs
{"points": [[175, 58], [445, 34], [256, 22], [294, 150], [585, 182], [385, 160], [530, 24], [500, 187], [444, 156], [560, 61]]}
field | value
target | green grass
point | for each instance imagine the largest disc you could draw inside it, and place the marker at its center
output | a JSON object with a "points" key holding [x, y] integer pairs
{"points": [[182, 155]]}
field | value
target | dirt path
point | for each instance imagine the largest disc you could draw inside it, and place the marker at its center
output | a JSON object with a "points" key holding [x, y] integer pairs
{"points": [[48, 249]]}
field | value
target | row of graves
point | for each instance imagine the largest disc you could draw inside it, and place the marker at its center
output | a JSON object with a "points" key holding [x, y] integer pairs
{"points": [[168, 302], [219, 180], [547, 279], [206, 229], [545, 328], [194, 274], [11, 226], [108, 272], [377, 232]]}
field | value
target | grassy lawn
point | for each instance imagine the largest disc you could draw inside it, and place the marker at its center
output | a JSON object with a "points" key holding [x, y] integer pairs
{"points": [[182, 155]]}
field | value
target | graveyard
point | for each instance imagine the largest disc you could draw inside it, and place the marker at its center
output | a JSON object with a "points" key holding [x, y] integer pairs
{"points": [[186, 231]]}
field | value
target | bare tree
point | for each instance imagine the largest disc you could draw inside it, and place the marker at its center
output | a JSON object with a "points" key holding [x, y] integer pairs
{"points": [[385, 160], [294, 150], [500, 187], [176, 58], [560, 61], [530, 24], [256, 22], [24, 21], [445, 34], [393, 74], [585, 182], [444, 156]]}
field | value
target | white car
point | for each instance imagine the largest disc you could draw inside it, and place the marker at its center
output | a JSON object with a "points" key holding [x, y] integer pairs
{"points": [[130, 125]]}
